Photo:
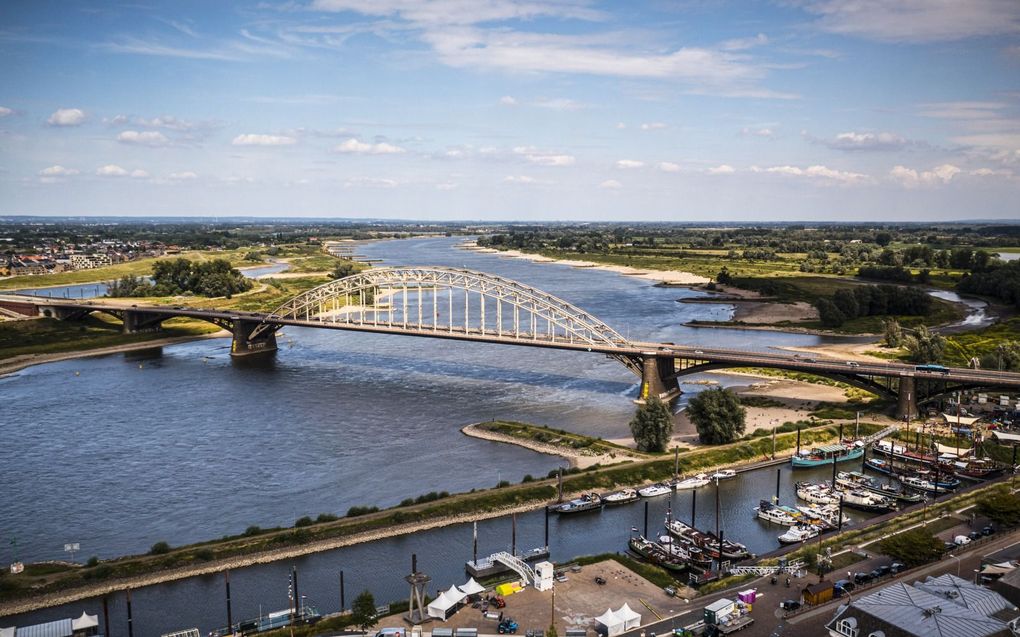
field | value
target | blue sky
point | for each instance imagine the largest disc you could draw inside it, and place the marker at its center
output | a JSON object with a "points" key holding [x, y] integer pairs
{"points": [[513, 109]]}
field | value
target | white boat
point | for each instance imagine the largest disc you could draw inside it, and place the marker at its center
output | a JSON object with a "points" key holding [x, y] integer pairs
{"points": [[866, 500], [695, 482], [798, 533], [620, 497], [823, 515], [816, 493], [653, 490], [723, 474], [777, 514]]}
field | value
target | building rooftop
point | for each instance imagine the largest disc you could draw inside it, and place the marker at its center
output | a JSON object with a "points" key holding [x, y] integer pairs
{"points": [[920, 613]]}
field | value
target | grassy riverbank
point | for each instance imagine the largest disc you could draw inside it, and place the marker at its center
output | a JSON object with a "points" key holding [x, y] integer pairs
{"points": [[364, 524], [50, 336], [568, 442]]}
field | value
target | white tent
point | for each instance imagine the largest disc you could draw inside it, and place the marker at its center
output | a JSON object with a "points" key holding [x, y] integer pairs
{"points": [[614, 625], [963, 420], [629, 617], [455, 594], [85, 622], [440, 607], [472, 587]]}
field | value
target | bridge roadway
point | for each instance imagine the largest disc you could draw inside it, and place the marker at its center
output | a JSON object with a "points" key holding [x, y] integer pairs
{"points": [[659, 364]]}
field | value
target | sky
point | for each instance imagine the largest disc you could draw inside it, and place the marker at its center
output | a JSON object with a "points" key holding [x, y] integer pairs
{"points": [[513, 110]]}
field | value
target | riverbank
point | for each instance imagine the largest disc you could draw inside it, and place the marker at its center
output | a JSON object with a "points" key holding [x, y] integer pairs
{"points": [[18, 363], [668, 277], [580, 458], [272, 545]]}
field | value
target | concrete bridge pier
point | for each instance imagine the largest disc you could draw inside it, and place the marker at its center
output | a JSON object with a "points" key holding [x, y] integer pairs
{"points": [[135, 321], [906, 406], [244, 344], [658, 378]]}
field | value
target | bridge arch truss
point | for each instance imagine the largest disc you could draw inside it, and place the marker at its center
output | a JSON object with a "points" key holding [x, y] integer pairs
{"points": [[452, 302]]}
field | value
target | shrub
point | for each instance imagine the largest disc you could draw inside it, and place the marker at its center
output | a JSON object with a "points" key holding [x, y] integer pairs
{"points": [[159, 548], [303, 521]]}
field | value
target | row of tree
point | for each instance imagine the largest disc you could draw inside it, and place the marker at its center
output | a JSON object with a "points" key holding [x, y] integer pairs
{"points": [[184, 277], [1002, 283], [872, 300], [716, 414]]}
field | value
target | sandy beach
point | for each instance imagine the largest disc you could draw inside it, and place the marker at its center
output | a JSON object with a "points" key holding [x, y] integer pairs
{"points": [[672, 277]]}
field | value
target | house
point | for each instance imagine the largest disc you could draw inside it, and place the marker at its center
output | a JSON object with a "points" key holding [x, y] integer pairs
{"points": [[938, 606]]}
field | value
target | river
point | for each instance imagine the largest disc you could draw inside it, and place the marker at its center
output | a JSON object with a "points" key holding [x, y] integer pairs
{"points": [[182, 444]]}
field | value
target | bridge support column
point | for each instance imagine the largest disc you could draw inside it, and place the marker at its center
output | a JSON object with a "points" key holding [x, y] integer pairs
{"points": [[658, 378], [135, 322], [906, 406], [244, 344]]}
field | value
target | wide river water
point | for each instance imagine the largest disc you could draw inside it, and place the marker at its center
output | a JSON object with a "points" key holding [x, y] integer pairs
{"points": [[182, 444]]}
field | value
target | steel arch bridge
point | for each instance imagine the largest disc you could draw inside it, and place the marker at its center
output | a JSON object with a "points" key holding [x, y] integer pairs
{"points": [[448, 302]]}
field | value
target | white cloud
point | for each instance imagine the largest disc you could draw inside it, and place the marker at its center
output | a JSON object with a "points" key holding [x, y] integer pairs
{"points": [[917, 20], [138, 173], [57, 171], [251, 139], [186, 175], [668, 167], [66, 117], [431, 12], [111, 170], [654, 126], [508, 100], [722, 169], [4, 111], [143, 138], [620, 126], [741, 44], [558, 104], [544, 158], [852, 140], [990, 172], [446, 185], [629, 163], [758, 132], [354, 146], [820, 173], [610, 184], [910, 178], [519, 179], [370, 182]]}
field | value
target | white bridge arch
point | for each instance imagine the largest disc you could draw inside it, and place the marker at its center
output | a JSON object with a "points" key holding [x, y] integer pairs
{"points": [[451, 301]]}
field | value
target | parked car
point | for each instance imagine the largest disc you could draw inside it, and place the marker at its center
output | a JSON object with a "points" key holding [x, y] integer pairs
{"points": [[862, 578], [842, 587], [883, 570], [852, 364], [876, 574], [988, 530], [949, 546], [961, 540], [790, 604], [896, 567], [974, 535]]}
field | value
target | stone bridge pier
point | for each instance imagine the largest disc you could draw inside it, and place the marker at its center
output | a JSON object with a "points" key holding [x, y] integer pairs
{"points": [[245, 343], [658, 378], [906, 405], [140, 321]]}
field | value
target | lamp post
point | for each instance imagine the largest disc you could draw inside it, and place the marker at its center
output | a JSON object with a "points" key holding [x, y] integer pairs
{"points": [[957, 558]]}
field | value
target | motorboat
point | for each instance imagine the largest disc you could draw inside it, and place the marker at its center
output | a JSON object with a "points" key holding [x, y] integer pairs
{"points": [[922, 483], [657, 554], [778, 514], [862, 500], [824, 516], [816, 493], [654, 490], [694, 482], [799, 533], [587, 502], [620, 497], [856, 480], [723, 474], [685, 551]]}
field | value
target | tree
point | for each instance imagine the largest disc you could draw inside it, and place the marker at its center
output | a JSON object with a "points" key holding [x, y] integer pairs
{"points": [[1000, 507], [717, 415], [883, 238], [342, 269], [925, 346], [253, 256], [159, 548], [652, 425], [892, 333], [913, 547], [363, 610]]}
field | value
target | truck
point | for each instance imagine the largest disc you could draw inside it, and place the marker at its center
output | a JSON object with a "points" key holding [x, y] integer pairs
{"points": [[726, 616]]}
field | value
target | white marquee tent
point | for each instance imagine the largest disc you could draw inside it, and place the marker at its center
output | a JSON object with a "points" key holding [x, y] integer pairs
{"points": [[445, 604], [614, 625], [472, 587], [629, 617], [85, 622]]}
